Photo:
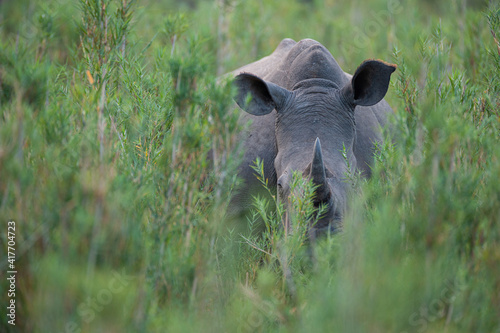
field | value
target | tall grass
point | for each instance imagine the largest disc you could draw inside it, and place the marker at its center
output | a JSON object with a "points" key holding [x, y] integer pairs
{"points": [[118, 155]]}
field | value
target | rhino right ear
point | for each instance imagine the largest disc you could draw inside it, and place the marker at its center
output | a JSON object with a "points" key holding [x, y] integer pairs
{"points": [[370, 82], [257, 96]]}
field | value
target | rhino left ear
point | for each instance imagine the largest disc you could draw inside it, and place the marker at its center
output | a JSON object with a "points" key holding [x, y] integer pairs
{"points": [[370, 82], [258, 97]]}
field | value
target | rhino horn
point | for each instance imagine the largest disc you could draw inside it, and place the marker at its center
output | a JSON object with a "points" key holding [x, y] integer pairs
{"points": [[318, 174]]}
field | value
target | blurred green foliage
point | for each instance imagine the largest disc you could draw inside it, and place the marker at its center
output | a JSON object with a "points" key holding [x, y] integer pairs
{"points": [[118, 151]]}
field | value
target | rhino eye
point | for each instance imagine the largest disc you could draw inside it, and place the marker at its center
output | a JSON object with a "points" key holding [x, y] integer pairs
{"points": [[280, 184]]}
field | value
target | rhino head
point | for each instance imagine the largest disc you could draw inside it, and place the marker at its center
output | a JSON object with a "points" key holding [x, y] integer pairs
{"points": [[315, 123]]}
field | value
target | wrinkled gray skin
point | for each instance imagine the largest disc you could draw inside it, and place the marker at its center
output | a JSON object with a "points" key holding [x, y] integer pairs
{"points": [[303, 109]]}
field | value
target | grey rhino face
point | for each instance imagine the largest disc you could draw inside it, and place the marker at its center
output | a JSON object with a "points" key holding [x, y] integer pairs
{"points": [[314, 124], [312, 129]]}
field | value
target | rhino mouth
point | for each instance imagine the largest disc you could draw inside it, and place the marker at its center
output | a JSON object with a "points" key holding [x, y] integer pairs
{"points": [[330, 229], [328, 223]]}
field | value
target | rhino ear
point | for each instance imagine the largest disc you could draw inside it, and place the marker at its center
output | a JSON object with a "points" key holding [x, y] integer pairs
{"points": [[257, 96], [370, 82]]}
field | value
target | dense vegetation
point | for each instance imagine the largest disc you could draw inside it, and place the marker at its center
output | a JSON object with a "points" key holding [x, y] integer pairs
{"points": [[110, 110]]}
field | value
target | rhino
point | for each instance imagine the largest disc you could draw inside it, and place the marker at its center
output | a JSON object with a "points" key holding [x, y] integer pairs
{"points": [[303, 112]]}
